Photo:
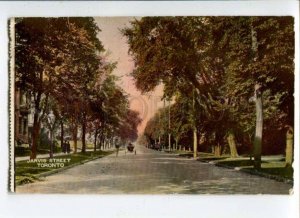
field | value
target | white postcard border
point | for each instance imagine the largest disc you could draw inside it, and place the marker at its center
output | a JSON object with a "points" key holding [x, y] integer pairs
{"points": [[142, 206]]}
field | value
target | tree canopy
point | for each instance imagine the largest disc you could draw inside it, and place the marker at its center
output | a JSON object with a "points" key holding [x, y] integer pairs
{"points": [[220, 60], [61, 64]]}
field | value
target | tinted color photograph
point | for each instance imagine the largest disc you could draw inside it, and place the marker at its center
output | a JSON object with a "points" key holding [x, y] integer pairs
{"points": [[152, 105]]}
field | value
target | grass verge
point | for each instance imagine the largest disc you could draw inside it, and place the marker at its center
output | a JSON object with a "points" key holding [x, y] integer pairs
{"points": [[280, 173], [270, 169], [31, 171]]}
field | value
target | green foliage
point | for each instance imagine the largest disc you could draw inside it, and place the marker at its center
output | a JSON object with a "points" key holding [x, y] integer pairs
{"points": [[110, 113], [61, 64], [44, 141], [57, 62], [21, 151], [128, 129], [219, 60]]}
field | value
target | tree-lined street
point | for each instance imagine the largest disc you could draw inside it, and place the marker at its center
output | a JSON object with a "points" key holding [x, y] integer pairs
{"points": [[227, 88], [153, 172]]}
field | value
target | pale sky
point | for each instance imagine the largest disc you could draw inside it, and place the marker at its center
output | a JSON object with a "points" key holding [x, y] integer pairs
{"points": [[117, 46]]}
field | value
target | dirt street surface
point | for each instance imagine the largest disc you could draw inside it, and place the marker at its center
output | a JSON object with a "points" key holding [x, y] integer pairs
{"points": [[153, 172]]}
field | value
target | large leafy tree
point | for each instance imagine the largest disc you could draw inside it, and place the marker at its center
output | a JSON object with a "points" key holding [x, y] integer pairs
{"points": [[109, 107], [168, 50], [222, 60], [53, 54], [128, 129], [259, 53]]}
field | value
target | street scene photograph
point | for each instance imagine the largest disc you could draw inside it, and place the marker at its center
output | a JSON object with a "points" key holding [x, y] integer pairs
{"points": [[152, 105]]}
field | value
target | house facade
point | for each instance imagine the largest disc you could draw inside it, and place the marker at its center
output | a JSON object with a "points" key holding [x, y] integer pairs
{"points": [[23, 117]]}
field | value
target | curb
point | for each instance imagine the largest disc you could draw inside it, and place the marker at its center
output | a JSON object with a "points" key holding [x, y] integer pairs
{"points": [[269, 176]]}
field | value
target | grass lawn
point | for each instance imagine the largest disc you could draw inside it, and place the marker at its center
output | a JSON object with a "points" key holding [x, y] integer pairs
{"points": [[27, 172], [79, 145], [276, 169]]}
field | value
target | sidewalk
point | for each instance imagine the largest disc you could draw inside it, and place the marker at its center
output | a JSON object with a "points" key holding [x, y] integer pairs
{"points": [[40, 156]]}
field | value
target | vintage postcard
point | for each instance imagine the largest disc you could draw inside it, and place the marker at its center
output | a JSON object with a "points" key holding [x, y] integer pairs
{"points": [[152, 105]]}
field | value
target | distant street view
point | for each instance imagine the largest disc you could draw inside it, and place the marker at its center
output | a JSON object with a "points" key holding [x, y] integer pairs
{"points": [[153, 105]]}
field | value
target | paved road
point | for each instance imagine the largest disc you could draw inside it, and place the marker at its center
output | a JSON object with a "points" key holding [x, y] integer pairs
{"points": [[153, 172]]}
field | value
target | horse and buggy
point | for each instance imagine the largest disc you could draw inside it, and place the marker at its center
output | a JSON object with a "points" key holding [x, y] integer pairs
{"points": [[130, 148]]}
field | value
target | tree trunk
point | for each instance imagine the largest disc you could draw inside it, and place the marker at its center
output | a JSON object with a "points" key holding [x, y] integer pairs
{"points": [[51, 144], [289, 147], [217, 144], [217, 150], [259, 127], [95, 142], [259, 107], [105, 144], [169, 141], [35, 137], [75, 138], [36, 126], [169, 126], [101, 141], [83, 148], [232, 144], [61, 134], [195, 142]]}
